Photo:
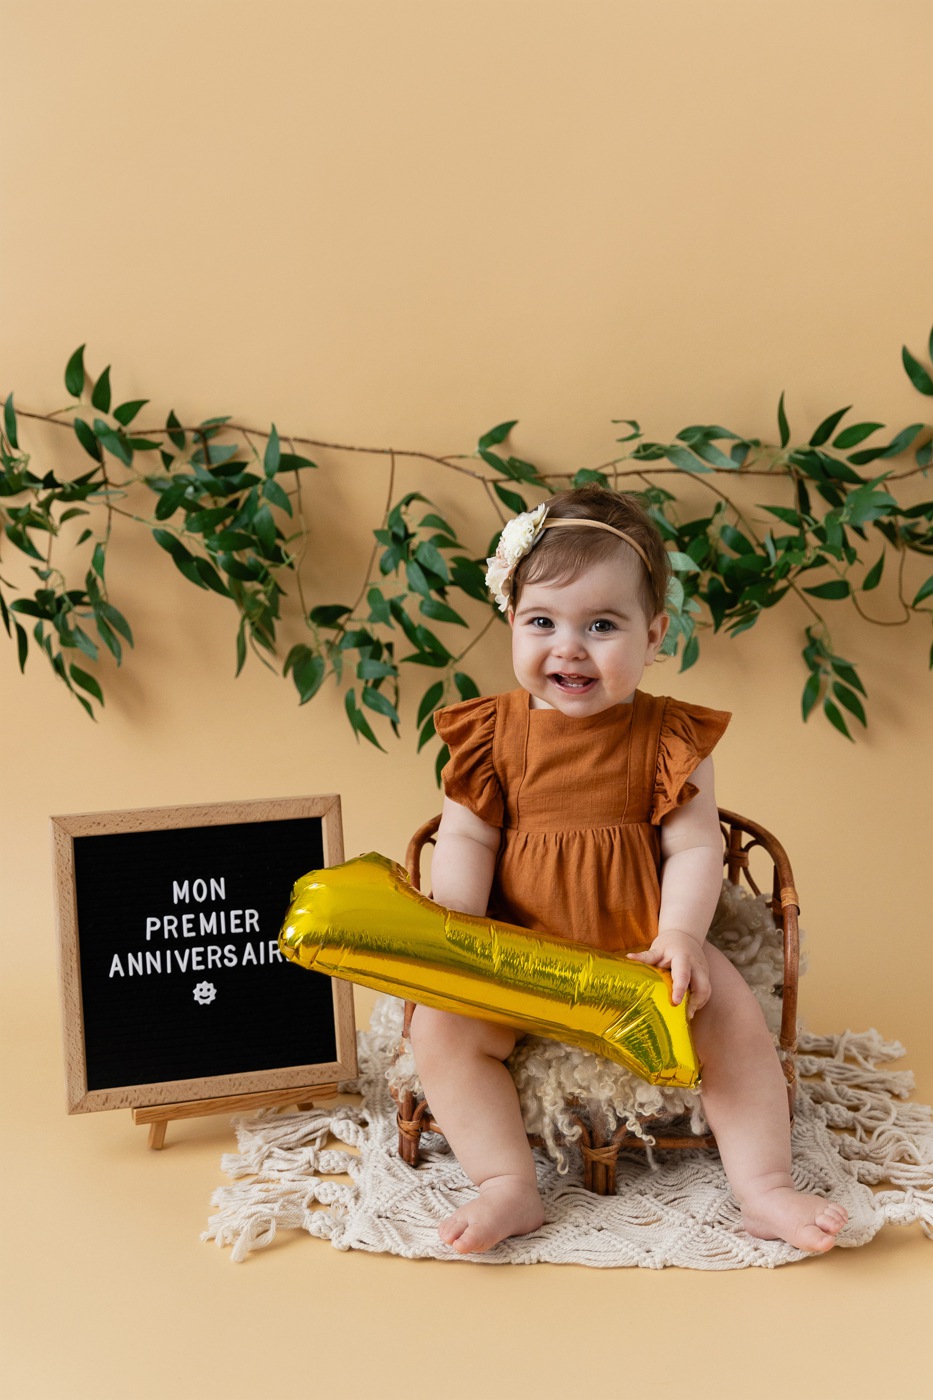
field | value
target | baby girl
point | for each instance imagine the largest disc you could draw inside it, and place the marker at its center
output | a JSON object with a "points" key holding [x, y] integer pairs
{"points": [[581, 806]]}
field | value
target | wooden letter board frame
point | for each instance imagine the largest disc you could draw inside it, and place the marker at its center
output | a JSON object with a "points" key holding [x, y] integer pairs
{"points": [[179, 1098]]}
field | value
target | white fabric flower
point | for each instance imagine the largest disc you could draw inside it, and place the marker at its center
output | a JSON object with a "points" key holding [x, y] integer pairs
{"points": [[519, 536]]}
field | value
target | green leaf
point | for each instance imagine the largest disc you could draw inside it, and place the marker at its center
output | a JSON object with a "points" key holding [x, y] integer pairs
{"points": [[828, 427], [9, 421], [87, 439], [919, 376], [170, 500], [22, 541], [856, 433], [873, 577], [811, 693], [684, 459], [429, 701], [735, 540], [110, 439], [273, 453], [466, 686], [902, 440], [509, 498], [308, 675], [22, 646], [471, 577], [29, 607], [683, 563], [435, 522], [358, 720], [264, 526], [495, 435], [924, 592], [274, 493], [369, 670], [74, 373], [588, 475], [183, 559], [380, 703], [107, 637], [430, 556], [442, 759], [427, 658], [428, 732], [782, 422], [126, 412], [101, 395], [176, 436], [116, 620], [629, 423], [98, 559], [417, 581], [86, 682], [209, 576], [835, 718], [328, 615], [291, 462], [379, 610], [691, 653], [846, 673], [440, 612], [836, 588], [850, 700]]}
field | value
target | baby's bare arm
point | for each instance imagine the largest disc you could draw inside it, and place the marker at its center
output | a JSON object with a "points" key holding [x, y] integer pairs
{"points": [[691, 853], [464, 860], [691, 878]]}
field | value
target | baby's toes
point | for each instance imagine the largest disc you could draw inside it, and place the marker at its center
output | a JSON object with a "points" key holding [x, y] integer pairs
{"points": [[453, 1227], [832, 1218]]}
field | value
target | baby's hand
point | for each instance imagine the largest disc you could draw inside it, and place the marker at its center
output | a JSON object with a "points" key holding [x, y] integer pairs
{"points": [[686, 959]]}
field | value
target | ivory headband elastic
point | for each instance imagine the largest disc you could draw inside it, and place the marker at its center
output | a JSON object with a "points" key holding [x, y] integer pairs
{"points": [[600, 525]]}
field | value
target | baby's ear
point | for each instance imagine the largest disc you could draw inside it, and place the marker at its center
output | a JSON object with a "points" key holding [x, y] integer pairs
{"points": [[511, 616], [657, 631]]}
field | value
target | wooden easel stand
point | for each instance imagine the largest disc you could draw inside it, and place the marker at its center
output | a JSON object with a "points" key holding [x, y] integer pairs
{"points": [[159, 1115]]}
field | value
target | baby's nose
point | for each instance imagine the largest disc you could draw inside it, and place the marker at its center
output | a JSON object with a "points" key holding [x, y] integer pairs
{"points": [[569, 644]]}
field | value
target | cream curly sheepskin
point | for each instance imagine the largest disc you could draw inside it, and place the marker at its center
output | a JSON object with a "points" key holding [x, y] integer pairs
{"points": [[548, 1074]]}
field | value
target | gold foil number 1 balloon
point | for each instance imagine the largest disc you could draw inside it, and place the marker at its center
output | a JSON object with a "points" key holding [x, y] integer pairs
{"points": [[363, 921]]}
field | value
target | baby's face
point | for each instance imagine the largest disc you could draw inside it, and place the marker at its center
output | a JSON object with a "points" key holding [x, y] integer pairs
{"points": [[582, 646]]}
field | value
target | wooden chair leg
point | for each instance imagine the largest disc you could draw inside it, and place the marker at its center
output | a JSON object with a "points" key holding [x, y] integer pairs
{"points": [[409, 1131]]}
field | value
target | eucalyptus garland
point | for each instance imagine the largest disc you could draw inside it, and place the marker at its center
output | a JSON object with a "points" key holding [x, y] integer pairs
{"points": [[226, 503]]}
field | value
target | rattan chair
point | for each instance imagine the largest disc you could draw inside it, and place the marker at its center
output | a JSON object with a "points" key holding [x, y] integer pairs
{"points": [[599, 1147]]}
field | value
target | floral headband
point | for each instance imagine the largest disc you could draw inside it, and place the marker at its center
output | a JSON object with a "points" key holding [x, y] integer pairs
{"points": [[519, 537]]}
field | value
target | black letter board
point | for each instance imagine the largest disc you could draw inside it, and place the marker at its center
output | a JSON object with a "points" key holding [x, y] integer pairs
{"points": [[173, 986]]}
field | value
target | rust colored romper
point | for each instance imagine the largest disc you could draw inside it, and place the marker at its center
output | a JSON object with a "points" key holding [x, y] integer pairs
{"points": [[579, 802]]}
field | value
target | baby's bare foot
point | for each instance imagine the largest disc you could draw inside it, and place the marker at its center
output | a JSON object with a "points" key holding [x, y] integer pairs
{"points": [[804, 1221], [506, 1205]]}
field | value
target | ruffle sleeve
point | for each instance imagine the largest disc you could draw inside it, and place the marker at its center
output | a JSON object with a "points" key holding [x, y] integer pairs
{"points": [[689, 733], [470, 776]]}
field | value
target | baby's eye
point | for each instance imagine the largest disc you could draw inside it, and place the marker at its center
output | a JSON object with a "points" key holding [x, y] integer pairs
{"points": [[603, 624], [539, 621]]}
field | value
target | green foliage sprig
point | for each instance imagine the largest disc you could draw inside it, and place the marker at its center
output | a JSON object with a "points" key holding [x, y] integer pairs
{"points": [[224, 501]]}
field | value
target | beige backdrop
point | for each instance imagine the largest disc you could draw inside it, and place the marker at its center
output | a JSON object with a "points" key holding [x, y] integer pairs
{"points": [[397, 225]]}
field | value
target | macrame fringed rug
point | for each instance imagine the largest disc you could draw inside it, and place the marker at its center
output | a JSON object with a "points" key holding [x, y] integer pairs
{"points": [[854, 1131]]}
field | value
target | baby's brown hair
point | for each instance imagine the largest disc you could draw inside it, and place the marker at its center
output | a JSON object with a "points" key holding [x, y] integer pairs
{"points": [[560, 555]]}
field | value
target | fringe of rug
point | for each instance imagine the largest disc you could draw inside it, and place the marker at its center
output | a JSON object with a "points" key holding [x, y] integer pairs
{"points": [[282, 1171]]}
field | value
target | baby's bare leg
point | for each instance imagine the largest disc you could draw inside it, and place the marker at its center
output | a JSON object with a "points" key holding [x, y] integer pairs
{"points": [[745, 1101], [473, 1100]]}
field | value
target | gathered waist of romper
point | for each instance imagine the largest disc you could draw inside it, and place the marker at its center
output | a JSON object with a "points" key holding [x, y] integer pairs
{"points": [[531, 829]]}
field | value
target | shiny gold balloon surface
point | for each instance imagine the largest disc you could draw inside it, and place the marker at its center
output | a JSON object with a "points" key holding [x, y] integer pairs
{"points": [[363, 921]]}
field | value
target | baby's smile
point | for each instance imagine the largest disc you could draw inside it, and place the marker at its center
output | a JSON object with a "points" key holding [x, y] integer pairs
{"points": [[569, 681]]}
